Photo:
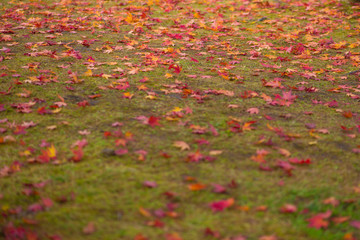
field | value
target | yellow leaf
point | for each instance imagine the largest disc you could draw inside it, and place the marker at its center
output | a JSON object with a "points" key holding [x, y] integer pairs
{"points": [[57, 110], [168, 75], [51, 151], [129, 18], [106, 76], [172, 119], [128, 95], [88, 73], [151, 97], [25, 153], [177, 109]]}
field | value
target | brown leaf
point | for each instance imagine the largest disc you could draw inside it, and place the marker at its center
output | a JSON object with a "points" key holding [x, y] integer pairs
{"points": [[182, 145]]}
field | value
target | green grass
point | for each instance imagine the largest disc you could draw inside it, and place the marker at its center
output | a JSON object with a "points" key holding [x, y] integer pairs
{"points": [[108, 190]]}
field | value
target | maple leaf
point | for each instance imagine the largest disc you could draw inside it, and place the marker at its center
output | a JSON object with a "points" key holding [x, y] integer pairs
{"points": [[182, 145], [215, 152], [331, 201], [177, 68], [144, 212], [288, 96], [133, 71], [193, 59], [284, 152], [339, 220], [79, 143], [121, 151], [319, 221], [84, 132], [150, 184], [253, 110], [43, 111], [141, 154], [140, 237], [210, 232], [153, 121], [247, 126], [129, 18], [213, 130], [286, 166], [274, 84], [47, 202], [355, 224], [221, 205], [89, 228], [196, 186], [195, 157], [300, 161], [172, 236], [217, 188], [83, 103], [128, 95], [88, 73], [288, 208], [12, 232], [78, 154], [271, 237], [233, 106], [51, 151]]}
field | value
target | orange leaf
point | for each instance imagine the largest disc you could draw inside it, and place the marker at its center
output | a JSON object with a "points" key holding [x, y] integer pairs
{"points": [[144, 212], [196, 186]]}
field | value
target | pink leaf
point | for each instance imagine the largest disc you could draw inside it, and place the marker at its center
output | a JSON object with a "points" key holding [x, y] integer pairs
{"points": [[288, 208], [221, 205], [355, 224], [253, 110], [150, 184], [121, 151]]}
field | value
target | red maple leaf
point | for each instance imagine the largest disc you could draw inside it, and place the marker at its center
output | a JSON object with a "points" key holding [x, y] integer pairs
{"points": [[195, 157], [319, 221], [177, 68], [153, 121], [78, 154], [221, 205]]}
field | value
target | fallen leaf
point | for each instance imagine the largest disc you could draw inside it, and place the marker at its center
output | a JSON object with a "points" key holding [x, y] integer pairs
{"points": [[182, 145], [221, 205], [253, 110], [89, 228], [196, 186]]}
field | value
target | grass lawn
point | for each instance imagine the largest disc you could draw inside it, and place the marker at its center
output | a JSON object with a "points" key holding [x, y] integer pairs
{"points": [[179, 120]]}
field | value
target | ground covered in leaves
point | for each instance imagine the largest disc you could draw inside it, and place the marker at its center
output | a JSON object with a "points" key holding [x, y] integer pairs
{"points": [[193, 119]]}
